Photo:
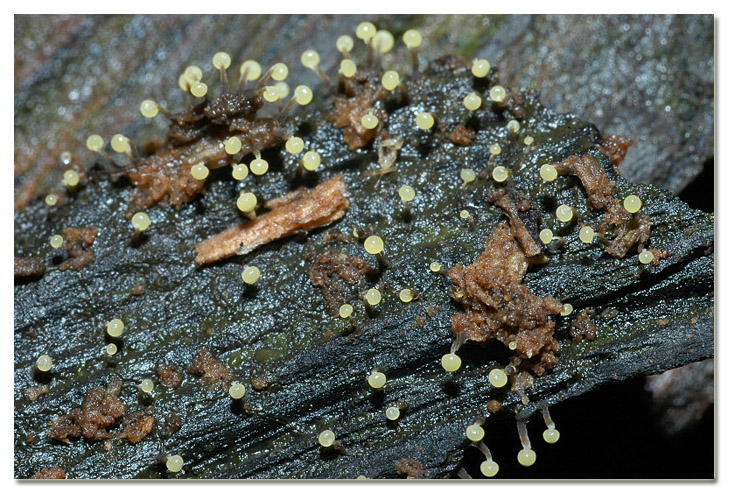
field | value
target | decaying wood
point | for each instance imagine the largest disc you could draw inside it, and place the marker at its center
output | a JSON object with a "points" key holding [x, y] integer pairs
{"points": [[325, 204]]}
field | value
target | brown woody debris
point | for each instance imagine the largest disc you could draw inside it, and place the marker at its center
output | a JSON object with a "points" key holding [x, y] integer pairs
{"points": [[630, 234], [260, 382], [137, 426], [331, 269], [33, 393], [28, 267], [170, 376], [197, 136], [321, 206], [463, 136], [631, 231], [521, 382], [410, 468], [212, 371], [77, 243], [216, 115], [494, 406], [172, 424], [358, 98], [599, 189], [582, 327], [658, 255], [166, 174], [387, 155], [54, 473], [100, 410], [504, 200], [516, 104], [615, 147], [498, 306]]}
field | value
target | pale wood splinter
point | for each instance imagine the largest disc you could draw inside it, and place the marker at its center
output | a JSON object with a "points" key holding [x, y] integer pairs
{"points": [[321, 206]]}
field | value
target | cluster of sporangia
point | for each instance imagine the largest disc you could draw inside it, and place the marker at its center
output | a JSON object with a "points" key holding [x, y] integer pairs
{"points": [[377, 43]]}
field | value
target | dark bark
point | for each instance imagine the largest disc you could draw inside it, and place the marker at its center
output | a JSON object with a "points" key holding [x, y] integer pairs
{"points": [[653, 317]]}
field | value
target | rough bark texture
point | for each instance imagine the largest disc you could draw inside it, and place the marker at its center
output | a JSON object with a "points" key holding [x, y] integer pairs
{"points": [[308, 369]]}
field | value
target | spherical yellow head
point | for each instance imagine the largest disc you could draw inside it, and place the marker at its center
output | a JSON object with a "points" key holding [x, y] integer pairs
{"points": [[474, 432], [632, 203], [348, 68], [374, 244], [310, 59], [377, 380], [564, 213], [480, 67], [174, 463], [233, 145], [373, 297], [311, 160], [498, 94], [221, 60], [586, 234], [303, 95], [546, 236], [246, 202], [383, 41], [450, 362], [365, 31], [406, 295], [345, 44], [500, 174], [44, 363], [250, 275], [94, 142], [56, 241], [326, 438], [406, 193], [424, 121], [346, 310], [646, 257], [237, 390], [149, 109], [252, 69], [120, 143], [467, 175], [472, 101], [498, 378], [199, 89], [259, 166], [294, 145], [548, 172], [390, 80], [199, 171], [240, 171], [392, 413], [115, 328], [279, 71], [489, 468], [551, 435], [146, 385], [369, 121], [412, 38], [270, 94], [567, 309], [140, 221], [526, 457]]}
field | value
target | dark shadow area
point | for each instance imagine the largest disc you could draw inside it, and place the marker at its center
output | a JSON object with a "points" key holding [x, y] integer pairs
{"points": [[609, 433], [700, 193]]}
